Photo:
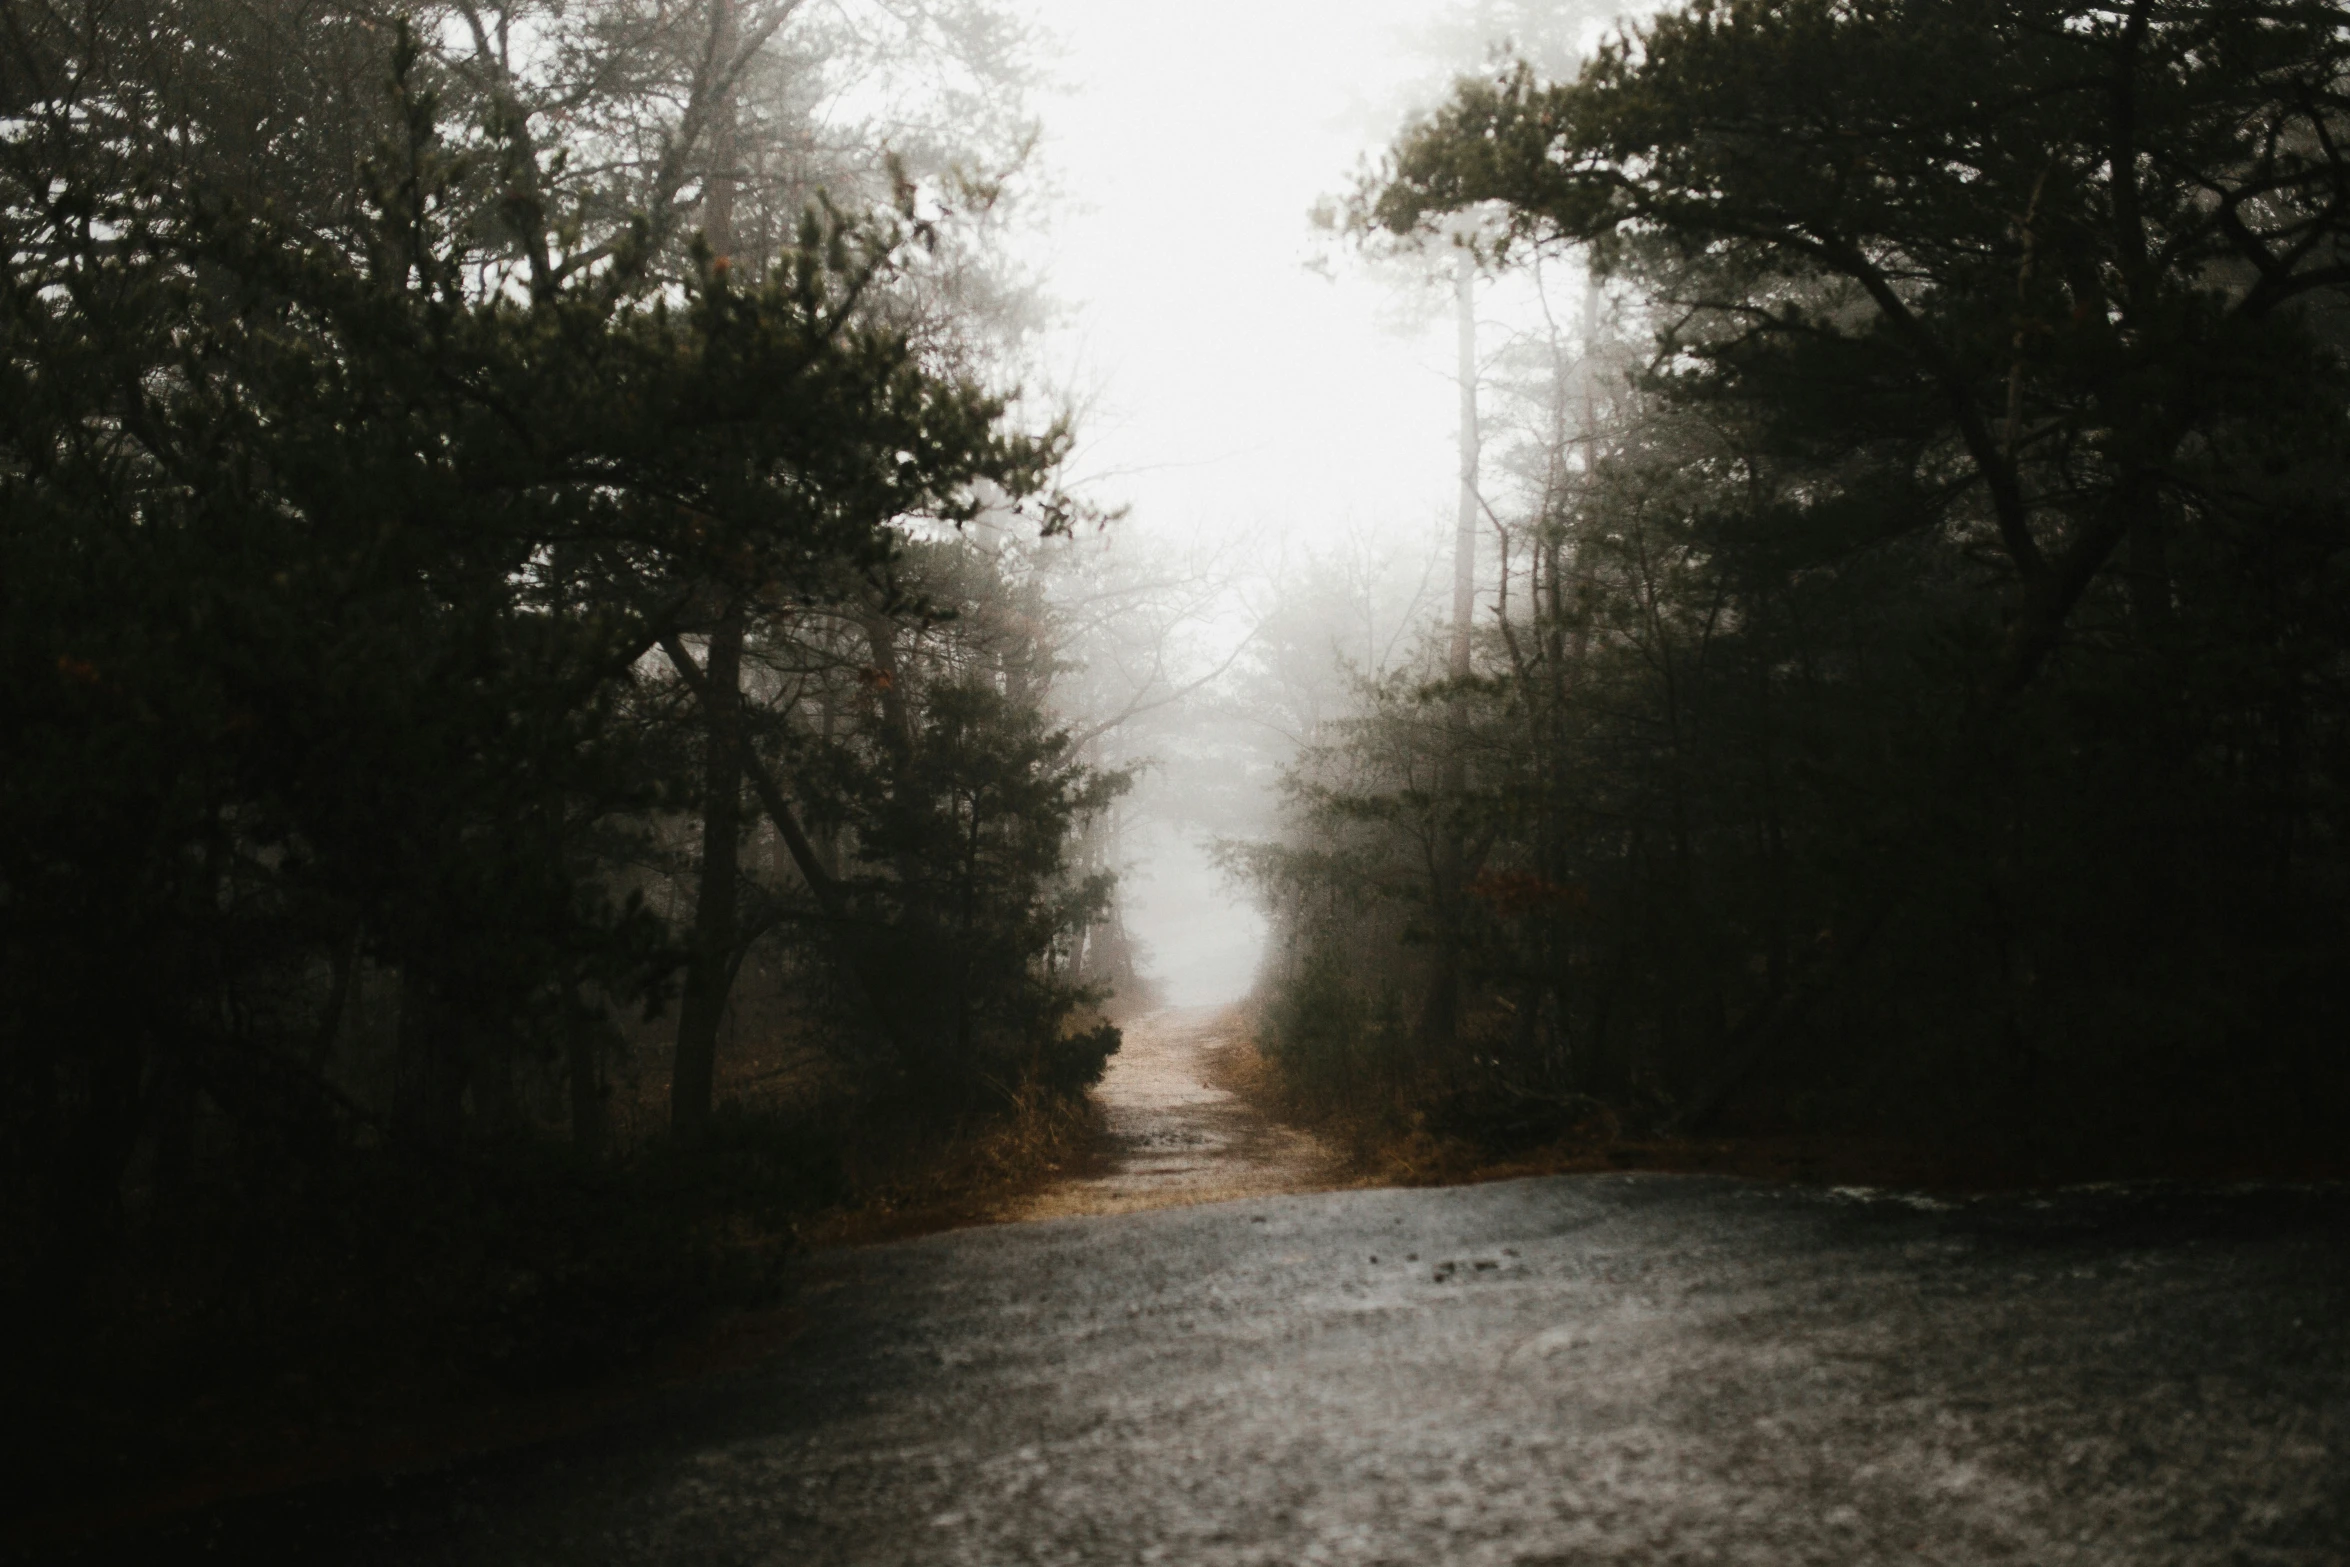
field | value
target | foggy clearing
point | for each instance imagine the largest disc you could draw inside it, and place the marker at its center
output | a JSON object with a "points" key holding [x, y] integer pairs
{"points": [[901, 781]]}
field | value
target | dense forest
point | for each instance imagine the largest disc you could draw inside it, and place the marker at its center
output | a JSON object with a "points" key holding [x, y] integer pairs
{"points": [[528, 646], [1906, 693], [566, 719]]}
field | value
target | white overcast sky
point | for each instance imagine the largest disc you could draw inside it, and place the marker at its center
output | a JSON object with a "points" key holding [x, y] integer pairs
{"points": [[1230, 396], [1234, 397], [1235, 394]]}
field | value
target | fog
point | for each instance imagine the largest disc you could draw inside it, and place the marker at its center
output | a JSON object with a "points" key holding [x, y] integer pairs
{"points": [[1230, 388], [1201, 940], [1250, 395]]}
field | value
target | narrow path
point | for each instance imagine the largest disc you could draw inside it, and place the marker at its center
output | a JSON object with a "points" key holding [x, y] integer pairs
{"points": [[1177, 1138]]}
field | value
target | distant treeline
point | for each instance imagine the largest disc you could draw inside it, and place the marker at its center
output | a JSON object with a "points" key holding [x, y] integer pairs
{"points": [[1918, 701], [511, 576]]}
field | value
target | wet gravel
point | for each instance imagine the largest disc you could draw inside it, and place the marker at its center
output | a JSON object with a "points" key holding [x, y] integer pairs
{"points": [[1578, 1369]]}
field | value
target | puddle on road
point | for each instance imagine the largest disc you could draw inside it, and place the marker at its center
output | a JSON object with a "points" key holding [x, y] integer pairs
{"points": [[1176, 1138]]}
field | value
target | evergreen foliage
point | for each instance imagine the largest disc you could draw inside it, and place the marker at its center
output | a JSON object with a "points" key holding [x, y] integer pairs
{"points": [[342, 778], [1917, 699]]}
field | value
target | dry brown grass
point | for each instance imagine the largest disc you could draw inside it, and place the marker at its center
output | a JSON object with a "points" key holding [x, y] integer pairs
{"points": [[976, 1172]]}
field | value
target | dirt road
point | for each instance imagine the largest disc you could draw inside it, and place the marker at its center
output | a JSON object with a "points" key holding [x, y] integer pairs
{"points": [[1176, 1138], [1577, 1369]]}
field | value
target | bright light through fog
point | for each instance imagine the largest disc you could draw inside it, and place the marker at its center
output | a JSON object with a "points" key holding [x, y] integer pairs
{"points": [[1231, 393], [1236, 393]]}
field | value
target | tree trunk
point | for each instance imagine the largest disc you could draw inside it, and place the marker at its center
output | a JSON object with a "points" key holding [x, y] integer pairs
{"points": [[917, 957], [718, 200], [1440, 1012], [710, 956], [429, 1069], [2147, 573], [84, 1207], [590, 1126]]}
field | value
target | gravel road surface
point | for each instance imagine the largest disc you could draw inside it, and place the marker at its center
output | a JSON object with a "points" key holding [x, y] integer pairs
{"points": [[1579, 1369]]}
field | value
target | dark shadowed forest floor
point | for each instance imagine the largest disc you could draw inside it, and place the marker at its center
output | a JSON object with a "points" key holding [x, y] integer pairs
{"points": [[1594, 1369], [1161, 1131], [119, 1454], [1195, 1358]]}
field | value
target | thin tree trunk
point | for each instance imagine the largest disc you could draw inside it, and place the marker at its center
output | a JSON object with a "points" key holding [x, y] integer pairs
{"points": [[858, 961], [430, 1068], [710, 957], [590, 1125], [920, 951], [718, 204], [84, 1171], [1440, 1013], [710, 965]]}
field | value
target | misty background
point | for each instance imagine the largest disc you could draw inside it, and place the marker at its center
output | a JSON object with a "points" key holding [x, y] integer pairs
{"points": [[1266, 409]]}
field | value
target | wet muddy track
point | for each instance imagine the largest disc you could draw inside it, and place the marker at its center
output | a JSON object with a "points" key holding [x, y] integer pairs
{"points": [[1176, 1136], [1635, 1368]]}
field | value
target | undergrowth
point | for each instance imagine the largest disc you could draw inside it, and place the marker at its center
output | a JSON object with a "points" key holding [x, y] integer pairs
{"points": [[433, 1300], [1434, 1127]]}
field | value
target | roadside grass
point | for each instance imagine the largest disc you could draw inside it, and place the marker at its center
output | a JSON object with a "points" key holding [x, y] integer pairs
{"points": [[974, 1174]]}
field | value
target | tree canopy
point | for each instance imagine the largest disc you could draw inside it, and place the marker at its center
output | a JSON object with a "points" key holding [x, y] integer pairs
{"points": [[402, 540], [1914, 696]]}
